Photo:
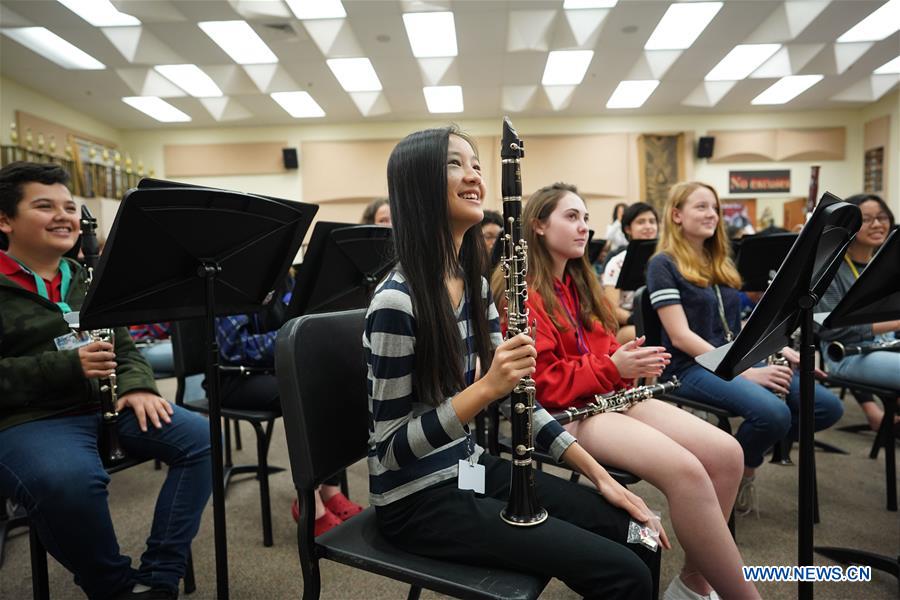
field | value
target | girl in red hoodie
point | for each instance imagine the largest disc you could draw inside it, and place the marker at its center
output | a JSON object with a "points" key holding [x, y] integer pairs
{"points": [[697, 466]]}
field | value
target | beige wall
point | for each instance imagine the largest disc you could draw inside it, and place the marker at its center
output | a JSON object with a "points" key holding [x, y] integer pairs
{"points": [[15, 97], [842, 177]]}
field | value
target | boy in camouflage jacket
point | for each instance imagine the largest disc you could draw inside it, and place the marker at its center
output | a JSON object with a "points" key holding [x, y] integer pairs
{"points": [[49, 418]]}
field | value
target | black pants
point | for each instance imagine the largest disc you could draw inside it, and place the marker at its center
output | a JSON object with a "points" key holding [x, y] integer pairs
{"points": [[582, 543]]}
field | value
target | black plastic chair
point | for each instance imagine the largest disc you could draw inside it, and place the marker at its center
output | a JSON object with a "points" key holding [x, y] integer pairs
{"points": [[189, 349], [322, 383], [40, 581]]}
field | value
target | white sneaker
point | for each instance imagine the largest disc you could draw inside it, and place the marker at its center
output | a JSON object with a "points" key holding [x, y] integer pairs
{"points": [[677, 590], [747, 501]]}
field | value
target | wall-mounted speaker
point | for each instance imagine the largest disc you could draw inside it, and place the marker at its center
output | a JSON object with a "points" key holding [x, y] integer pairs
{"points": [[705, 146], [290, 158]]}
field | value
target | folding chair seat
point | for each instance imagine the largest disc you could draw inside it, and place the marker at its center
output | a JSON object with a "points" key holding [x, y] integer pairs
{"points": [[189, 348], [322, 385]]}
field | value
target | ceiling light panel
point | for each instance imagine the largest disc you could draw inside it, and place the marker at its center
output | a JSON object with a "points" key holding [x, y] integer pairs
{"points": [[741, 61], [100, 13], [431, 34], [191, 79], [355, 74], [317, 9], [877, 26], [443, 98], [54, 48], [579, 4], [239, 41], [632, 94], [682, 25], [786, 89], [889, 68], [566, 67], [156, 108], [299, 105]]}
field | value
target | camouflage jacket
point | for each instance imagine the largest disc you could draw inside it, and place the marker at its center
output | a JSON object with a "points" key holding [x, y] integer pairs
{"points": [[38, 381]]}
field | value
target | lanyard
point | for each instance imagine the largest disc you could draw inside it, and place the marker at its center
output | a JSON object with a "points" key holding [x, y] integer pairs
{"points": [[852, 267], [728, 335], [579, 329], [41, 287]]}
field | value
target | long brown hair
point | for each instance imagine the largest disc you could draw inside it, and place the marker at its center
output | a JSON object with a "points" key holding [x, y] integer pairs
{"points": [[716, 267], [593, 306]]}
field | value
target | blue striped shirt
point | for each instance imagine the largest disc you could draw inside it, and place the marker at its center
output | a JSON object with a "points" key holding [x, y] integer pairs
{"points": [[413, 444]]}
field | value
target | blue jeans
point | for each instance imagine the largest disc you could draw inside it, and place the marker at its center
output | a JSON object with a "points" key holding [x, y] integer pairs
{"points": [[767, 418], [881, 369], [159, 355], [52, 468]]}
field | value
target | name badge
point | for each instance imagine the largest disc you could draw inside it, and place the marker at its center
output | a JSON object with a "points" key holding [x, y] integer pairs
{"points": [[70, 341], [471, 476]]}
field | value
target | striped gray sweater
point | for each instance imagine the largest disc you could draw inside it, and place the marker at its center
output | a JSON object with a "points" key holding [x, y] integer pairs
{"points": [[412, 444]]}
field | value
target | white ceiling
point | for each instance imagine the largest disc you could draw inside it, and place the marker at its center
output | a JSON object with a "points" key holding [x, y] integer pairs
{"points": [[503, 46]]}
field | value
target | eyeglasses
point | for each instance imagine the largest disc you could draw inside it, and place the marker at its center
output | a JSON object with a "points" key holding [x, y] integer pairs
{"points": [[883, 219]]}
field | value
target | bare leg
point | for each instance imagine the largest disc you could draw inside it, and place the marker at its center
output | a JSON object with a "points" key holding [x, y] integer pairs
{"points": [[699, 496]]}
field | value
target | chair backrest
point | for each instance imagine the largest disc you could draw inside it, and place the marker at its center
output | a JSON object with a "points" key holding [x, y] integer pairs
{"points": [[322, 383], [188, 351], [646, 321]]}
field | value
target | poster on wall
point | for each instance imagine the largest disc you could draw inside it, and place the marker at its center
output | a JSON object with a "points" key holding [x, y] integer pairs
{"points": [[739, 216], [873, 181], [759, 182], [661, 164]]}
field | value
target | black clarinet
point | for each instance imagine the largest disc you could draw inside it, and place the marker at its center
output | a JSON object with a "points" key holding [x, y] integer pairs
{"points": [[522, 507], [837, 351], [108, 442], [616, 401]]}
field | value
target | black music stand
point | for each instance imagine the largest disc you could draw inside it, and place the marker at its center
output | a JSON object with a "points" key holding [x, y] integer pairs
{"points": [[342, 265], [216, 253], [758, 256], [801, 280], [874, 297], [634, 270]]}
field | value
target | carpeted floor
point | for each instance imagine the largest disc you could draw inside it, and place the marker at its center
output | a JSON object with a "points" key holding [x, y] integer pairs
{"points": [[851, 488]]}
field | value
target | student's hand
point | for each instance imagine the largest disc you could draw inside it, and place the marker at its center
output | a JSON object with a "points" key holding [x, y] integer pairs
{"points": [[97, 359], [634, 505], [513, 360], [774, 377], [793, 357], [147, 406], [634, 361]]}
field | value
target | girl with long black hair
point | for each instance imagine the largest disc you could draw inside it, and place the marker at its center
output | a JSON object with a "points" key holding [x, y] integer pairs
{"points": [[436, 359]]}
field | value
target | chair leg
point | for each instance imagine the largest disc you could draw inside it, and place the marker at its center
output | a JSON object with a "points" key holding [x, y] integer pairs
{"points": [[886, 431], [190, 583], [237, 435], [414, 592], [309, 559], [262, 450], [40, 584], [345, 486], [227, 444]]}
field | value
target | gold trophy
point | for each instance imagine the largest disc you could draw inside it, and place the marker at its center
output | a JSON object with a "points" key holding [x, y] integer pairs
{"points": [[29, 140], [52, 146], [90, 174], [41, 145], [107, 174], [117, 177]]}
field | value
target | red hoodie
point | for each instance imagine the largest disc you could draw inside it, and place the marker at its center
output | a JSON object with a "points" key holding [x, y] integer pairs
{"points": [[569, 373]]}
